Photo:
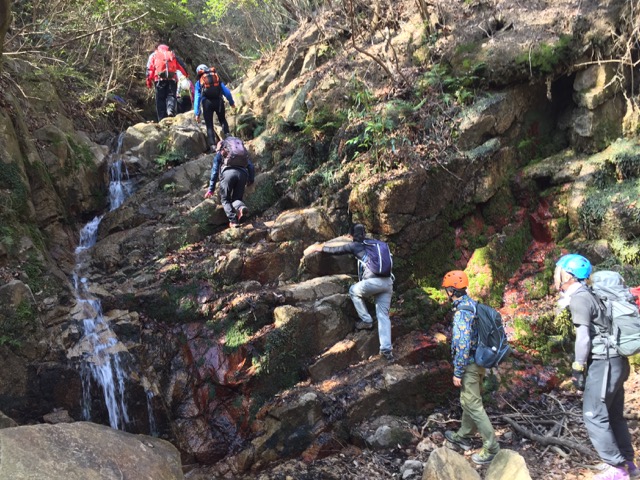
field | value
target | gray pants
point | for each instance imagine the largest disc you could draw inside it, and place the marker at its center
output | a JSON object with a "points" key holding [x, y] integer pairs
{"points": [[607, 428], [232, 183], [381, 289]]}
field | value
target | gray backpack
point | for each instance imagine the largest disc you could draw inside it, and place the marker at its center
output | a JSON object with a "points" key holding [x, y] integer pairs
{"points": [[621, 312]]}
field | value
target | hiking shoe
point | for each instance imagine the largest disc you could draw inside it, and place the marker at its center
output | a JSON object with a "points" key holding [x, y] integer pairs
{"points": [[388, 355], [612, 473], [364, 325], [457, 441], [242, 212], [483, 457], [234, 225], [634, 471]]}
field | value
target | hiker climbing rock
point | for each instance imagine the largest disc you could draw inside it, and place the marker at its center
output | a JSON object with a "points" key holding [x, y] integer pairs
{"points": [[185, 93], [598, 370], [375, 280], [467, 375], [232, 165], [209, 94], [162, 68]]}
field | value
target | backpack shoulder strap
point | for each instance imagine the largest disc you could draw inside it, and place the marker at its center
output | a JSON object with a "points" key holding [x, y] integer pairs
{"points": [[467, 308]]}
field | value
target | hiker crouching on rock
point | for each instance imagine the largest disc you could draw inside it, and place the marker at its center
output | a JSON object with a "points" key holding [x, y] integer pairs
{"points": [[467, 375], [598, 370], [233, 166], [371, 284]]}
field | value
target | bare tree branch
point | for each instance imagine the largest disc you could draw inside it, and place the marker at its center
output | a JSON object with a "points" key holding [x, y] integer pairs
{"points": [[79, 37]]}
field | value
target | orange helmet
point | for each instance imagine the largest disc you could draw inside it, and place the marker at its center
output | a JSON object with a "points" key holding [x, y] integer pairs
{"points": [[456, 279]]}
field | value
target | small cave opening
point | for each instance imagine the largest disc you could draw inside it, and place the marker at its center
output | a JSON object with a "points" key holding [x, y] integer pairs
{"points": [[544, 127]]}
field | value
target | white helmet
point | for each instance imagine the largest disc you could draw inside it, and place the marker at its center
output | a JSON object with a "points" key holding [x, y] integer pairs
{"points": [[201, 68]]}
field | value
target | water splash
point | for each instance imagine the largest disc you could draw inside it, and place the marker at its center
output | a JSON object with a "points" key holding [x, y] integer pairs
{"points": [[99, 349], [103, 358], [153, 428], [120, 186]]}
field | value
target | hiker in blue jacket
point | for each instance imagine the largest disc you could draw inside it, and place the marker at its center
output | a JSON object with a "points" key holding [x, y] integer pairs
{"points": [[369, 285], [467, 375], [594, 364], [209, 98], [233, 180]]}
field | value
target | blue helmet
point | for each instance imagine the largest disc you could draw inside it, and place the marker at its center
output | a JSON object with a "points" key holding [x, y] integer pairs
{"points": [[576, 265]]}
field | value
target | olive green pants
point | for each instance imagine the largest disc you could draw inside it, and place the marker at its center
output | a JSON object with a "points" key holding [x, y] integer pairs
{"points": [[474, 416]]}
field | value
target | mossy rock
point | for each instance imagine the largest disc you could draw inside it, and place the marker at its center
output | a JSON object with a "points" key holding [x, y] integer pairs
{"points": [[491, 266]]}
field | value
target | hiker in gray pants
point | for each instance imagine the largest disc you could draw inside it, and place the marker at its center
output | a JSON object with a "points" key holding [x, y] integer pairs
{"points": [[598, 370]]}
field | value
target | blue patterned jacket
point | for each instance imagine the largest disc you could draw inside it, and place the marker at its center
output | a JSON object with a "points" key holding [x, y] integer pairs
{"points": [[463, 342]]}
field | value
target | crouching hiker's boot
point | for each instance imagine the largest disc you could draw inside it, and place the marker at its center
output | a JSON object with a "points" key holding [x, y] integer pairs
{"points": [[457, 441]]}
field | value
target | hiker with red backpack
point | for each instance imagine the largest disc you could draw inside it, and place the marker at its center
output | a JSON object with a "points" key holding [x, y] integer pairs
{"points": [[233, 167], [467, 374], [599, 369], [209, 98], [162, 68], [375, 280]]}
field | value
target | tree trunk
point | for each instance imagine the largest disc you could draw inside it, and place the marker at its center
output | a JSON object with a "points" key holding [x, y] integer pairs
{"points": [[5, 21]]}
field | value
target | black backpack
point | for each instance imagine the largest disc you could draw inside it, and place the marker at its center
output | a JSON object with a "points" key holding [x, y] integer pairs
{"points": [[493, 346]]}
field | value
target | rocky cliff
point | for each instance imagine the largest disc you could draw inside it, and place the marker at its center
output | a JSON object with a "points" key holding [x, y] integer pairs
{"points": [[466, 134]]}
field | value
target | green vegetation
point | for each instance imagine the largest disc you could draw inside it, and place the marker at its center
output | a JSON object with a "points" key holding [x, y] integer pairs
{"points": [[176, 303], [13, 193], [460, 87], [265, 195], [546, 335], [491, 266], [604, 198], [169, 157], [280, 360], [81, 156], [544, 59], [15, 323]]}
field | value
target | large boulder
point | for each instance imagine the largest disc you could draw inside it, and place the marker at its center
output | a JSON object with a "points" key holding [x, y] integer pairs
{"points": [[84, 451], [445, 464], [508, 465], [308, 224]]}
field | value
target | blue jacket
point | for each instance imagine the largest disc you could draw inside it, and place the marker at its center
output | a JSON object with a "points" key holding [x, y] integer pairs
{"points": [[216, 169], [198, 96], [463, 342]]}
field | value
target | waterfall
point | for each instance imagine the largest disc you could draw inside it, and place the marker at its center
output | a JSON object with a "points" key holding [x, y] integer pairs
{"points": [[103, 358]]}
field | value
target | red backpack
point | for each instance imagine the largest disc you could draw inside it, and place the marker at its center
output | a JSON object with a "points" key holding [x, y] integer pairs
{"points": [[210, 83], [165, 63]]}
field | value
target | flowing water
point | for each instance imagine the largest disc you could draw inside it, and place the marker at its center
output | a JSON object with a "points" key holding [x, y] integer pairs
{"points": [[104, 360]]}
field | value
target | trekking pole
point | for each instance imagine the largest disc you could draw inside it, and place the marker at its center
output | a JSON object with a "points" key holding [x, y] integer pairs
{"points": [[234, 122]]}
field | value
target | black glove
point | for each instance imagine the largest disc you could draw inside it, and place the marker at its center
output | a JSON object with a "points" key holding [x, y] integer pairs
{"points": [[578, 379]]}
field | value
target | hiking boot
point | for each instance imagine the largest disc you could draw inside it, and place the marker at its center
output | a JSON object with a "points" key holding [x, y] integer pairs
{"points": [[242, 212], [234, 225], [457, 441], [483, 457], [388, 355], [634, 471], [612, 473], [364, 325]]}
